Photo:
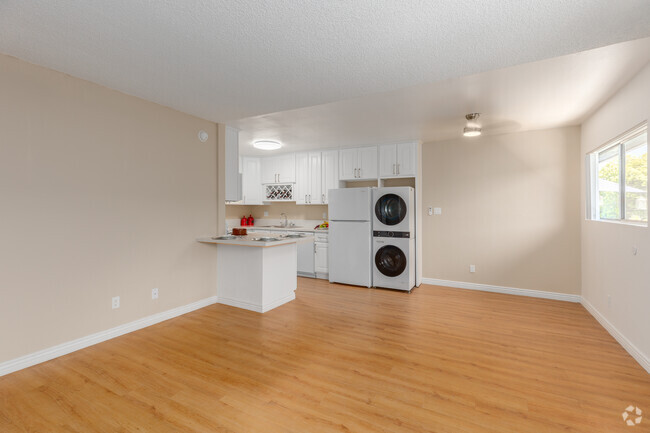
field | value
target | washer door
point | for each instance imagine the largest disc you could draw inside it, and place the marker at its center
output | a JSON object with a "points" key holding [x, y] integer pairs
{"points": [[390, 261], [390, 209]]}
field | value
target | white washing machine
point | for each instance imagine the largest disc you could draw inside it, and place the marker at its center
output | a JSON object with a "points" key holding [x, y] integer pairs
{"points": [[393, 260], [393, 209]]}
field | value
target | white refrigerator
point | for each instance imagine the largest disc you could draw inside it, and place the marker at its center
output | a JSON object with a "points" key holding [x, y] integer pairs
{"points": [[350, 236]]}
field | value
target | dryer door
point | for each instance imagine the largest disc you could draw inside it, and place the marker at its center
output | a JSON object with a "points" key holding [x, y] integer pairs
{"points": [[390, 261], [390, 209]]}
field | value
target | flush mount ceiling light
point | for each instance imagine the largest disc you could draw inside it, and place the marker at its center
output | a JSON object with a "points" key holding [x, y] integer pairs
{"points": [[472, 129], [267, 144]]}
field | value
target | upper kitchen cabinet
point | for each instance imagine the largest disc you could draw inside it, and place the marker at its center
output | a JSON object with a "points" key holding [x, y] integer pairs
{"points": [[302, 188], [309, 178], [330, 172], [251, 181], [398, 160], [358, 164], [279, 169], [316, 174], [233, 178]]}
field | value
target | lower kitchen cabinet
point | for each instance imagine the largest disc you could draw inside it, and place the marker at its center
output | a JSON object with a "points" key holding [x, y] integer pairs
{"points": [[321, 266], [312, 254]]}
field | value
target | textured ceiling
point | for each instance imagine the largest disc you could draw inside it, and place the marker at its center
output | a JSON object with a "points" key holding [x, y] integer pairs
{"points": [[546, 94], [225, 60]]}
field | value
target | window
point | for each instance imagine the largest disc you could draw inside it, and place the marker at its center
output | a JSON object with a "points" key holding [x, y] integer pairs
{"points": [[618, 179]]}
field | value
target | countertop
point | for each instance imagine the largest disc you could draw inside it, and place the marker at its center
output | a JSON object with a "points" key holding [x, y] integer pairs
{"points": [[247, 241], [284, 229]]}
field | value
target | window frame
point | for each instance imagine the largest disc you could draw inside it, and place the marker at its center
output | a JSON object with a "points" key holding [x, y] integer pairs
{"points": [[592, 181]]}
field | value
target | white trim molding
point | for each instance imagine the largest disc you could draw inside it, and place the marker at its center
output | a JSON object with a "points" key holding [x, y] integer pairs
{"points": [[505, 290], [639, 356], [256, 307], [89, 340]]}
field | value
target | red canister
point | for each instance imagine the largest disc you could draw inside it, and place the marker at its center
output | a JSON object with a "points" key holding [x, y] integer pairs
{"points": [[244, 221], [251, 220]]}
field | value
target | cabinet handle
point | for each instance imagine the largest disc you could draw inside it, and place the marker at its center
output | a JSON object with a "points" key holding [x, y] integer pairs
{"points": [[359, 173], [323, 197], [305, 198], [393, 168], [355, 172], [398, 168], [309, 198]]}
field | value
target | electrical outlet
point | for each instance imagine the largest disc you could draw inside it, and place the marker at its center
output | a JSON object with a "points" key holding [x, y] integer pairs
{"points": [[635, 250], [266, 213], [430, 211], [116, 302], [472, 268], [437, 211], [154, 293]]}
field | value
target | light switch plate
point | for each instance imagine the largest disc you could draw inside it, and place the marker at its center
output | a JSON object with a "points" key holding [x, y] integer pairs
{"points": [[437, 211], [430, 211]]}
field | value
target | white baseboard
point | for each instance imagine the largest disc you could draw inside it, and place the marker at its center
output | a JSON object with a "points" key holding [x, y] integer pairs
{"points": [[89, 340], [506, 290], [639, 356], [256, 307]]}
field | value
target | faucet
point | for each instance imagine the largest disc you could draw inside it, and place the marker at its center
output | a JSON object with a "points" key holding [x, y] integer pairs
{"points": [[286, 221]]}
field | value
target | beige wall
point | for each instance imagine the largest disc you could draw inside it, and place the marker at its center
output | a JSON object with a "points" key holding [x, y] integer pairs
{"points": [[608, 265], [293, 211], [102, 194], [510, 205]]}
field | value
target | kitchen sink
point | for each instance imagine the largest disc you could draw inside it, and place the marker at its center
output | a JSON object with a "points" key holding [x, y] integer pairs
{"points": [[224, 237], [296, 235], [265, 239]]}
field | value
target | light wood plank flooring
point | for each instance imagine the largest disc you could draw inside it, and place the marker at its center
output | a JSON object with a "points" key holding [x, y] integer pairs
{"points": [[344, 359]]}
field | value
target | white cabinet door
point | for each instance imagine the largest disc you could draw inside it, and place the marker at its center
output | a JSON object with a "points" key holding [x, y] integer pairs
{"points": [[320, 253], [269, 168], [407, 156], [302, 187], [330, 172], [367, 163], [251, 182], [233, 180], [315, 178], [348, 164], [387, 160], [286, 168]]}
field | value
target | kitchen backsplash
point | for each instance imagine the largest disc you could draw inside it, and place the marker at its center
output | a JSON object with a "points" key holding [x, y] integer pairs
{"points": [[293, 211]]}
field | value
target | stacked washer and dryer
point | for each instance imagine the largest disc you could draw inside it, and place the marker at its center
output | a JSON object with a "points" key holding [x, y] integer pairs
{"points": [[393, 243], [372, 237]]}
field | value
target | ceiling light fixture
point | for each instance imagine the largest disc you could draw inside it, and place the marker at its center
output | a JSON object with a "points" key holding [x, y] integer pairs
{"points": [[472, 129], [267, 144]]}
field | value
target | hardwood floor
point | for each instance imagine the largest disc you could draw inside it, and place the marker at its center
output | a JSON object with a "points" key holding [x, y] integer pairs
{"points": [[344, 359]]}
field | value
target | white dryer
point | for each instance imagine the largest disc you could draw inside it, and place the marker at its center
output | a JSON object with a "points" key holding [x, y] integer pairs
{"points": [[393, 209], [393, 260]]}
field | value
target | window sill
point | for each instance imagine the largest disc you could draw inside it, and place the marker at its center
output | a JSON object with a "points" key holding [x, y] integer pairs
{"points": [[621, 223]]}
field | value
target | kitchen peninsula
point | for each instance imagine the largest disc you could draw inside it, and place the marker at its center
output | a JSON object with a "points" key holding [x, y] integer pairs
{"points": [[256, 272]]}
